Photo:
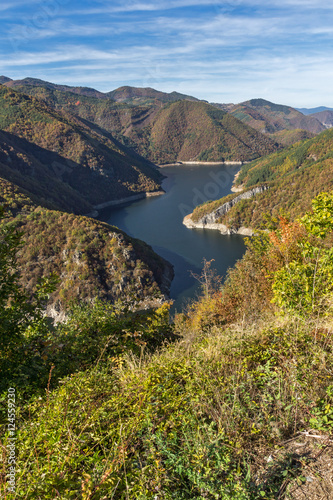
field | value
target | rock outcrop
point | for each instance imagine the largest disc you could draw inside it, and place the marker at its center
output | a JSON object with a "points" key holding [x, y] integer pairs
{"points": [[210, 220]]}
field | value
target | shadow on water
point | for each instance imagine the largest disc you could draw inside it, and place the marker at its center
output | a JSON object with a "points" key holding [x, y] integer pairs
{"points": [[183, 280]]}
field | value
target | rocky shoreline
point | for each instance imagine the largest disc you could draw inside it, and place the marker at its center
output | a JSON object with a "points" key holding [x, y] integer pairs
{"points": [[209, 221], [236, 189], [188, 222]]}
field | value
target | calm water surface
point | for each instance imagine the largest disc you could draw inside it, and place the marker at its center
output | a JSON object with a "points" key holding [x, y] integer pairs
{"points": [[158, 222]]}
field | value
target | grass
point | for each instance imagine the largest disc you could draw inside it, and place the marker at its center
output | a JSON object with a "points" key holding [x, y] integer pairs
{"points": [[193, 420], [203, 408]]}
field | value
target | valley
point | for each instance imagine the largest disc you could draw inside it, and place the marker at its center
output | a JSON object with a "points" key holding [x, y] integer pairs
{"points": [[80, 151]]}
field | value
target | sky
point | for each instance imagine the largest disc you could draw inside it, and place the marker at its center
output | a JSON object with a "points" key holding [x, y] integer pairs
{"points": [[220, 51]]}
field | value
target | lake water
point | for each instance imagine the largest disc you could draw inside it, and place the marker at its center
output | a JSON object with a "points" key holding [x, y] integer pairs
{"points": [[158, 222]]}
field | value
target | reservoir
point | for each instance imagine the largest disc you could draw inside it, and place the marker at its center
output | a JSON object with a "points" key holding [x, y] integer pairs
{"points": [[158, 222]]}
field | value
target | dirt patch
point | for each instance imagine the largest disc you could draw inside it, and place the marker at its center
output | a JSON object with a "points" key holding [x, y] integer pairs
{"points": [[315, 456], [306, 462]]}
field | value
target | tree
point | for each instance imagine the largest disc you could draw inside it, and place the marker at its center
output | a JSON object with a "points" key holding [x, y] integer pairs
{"points": [[22, 321]]}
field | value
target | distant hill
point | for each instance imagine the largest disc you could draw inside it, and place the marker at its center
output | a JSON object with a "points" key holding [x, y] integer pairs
{"points": [[138, 95], [130, 95], [225, 107], [270, 119], [88, 161], [294, 177], [311, 111], [196, 131], [4, 79], [35, 82], [325, 117]]}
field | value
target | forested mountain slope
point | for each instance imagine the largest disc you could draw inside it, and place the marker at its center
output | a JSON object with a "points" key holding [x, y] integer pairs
{"points": [[88, 161], [196, 131], [293, 177], [282, 123], [159, 129], [90, 258]]}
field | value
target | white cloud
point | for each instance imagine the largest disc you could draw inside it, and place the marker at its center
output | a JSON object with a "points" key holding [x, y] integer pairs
{"points": [[273, 50], [283, 80], [14, 4], [111, 7]]}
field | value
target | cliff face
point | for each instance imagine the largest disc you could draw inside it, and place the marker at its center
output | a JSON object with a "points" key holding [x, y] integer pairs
{"points": [[211, 220], [223, 209], [244, 231]]}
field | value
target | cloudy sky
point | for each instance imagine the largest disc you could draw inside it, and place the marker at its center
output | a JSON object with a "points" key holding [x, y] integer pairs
{"points": [[221, 51]]}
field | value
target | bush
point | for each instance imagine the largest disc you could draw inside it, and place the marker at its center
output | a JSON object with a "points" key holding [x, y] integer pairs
{"points": [[305, 284]]}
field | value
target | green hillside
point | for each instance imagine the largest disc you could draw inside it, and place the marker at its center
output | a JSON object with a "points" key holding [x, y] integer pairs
{"points": [[294, 176], [92, 258], [89, 161], [275, 120], [289, 137]]}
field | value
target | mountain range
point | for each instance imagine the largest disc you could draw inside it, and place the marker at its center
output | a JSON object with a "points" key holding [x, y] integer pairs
{"points": [[80, 161], [159, 126], [311, 111], [133, 115]]}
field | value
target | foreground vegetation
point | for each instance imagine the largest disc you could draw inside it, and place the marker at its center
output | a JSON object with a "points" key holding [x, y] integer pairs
{"points": [[294, 176], [116, 405]]}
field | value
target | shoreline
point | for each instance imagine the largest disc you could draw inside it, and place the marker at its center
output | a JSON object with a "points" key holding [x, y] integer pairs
{"points": [[236, 189], [209, 221], [121, 201], [222, 228], [179, 163], [134, 197]]}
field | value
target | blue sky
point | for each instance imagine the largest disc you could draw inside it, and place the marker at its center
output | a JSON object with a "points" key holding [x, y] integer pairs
{"points": [[221, 51]]}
